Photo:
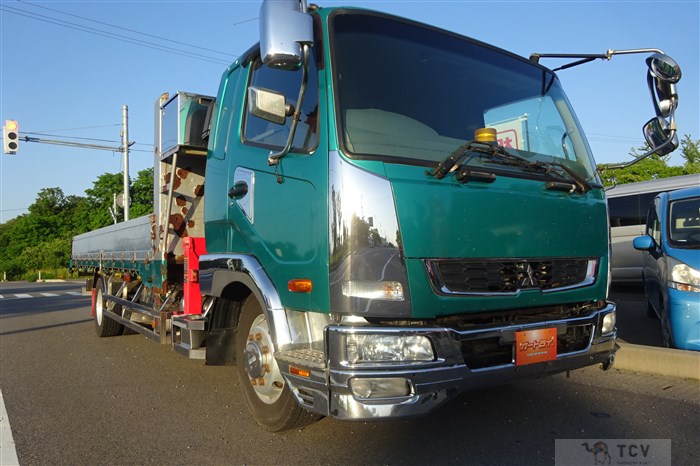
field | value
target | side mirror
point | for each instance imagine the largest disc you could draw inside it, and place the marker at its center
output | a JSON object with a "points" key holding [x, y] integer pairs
{"points": [[665, 68], [663, 75], [268, 105], [659, 136], [643, 243], [284, 27]]}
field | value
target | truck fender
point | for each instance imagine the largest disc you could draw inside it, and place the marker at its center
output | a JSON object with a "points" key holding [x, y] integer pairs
{"points": [[220, 273]]}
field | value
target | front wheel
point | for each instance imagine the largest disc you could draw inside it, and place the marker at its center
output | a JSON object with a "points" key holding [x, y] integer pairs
{"points": [[268, 397], [666, 334]]}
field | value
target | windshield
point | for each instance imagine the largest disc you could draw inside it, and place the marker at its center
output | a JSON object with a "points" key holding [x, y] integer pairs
{"points": [[684, 223], [411, 94]]}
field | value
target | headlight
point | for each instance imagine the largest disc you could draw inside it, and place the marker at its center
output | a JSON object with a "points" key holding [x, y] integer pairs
{"points": [[363, 348], [609, 320], [385, 290], [683, 276]]}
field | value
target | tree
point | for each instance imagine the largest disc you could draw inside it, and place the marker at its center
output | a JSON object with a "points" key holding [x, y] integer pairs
{"points": [[690, 149], [41, 239], [142, 193], [100, 199], [654, 167]]}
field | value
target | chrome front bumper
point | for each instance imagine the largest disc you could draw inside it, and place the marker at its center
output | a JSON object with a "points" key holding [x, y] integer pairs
{"points": [[327, 390]]}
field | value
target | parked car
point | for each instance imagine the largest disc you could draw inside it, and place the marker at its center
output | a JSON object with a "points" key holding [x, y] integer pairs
{"points": [[628, 205], [671, 247]]}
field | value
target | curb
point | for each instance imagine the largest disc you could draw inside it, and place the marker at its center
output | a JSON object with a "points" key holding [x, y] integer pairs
{"points": [[660, 361]]}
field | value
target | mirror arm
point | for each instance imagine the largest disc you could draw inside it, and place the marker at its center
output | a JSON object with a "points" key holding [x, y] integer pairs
{"points": [[274, 157], [616, 166], [587, 57]]}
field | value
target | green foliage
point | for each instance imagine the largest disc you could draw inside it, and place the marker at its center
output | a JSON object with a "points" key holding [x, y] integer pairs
{"points": [[691, 153], [41, 239], [142, 194], [654, 167]]}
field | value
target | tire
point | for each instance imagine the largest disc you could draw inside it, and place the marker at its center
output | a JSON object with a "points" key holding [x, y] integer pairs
{"points": [[666, 335], [104, 326], [651, 313], [268, 397]]}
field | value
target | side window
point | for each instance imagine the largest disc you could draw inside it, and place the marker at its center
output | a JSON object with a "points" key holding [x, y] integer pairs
{"points": [[258, 131], [653, 224], [223, 111], [630, 209]]}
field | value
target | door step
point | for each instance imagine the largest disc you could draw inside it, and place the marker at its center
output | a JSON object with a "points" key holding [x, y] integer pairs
{"points": [[188, 334], [313, 359]]}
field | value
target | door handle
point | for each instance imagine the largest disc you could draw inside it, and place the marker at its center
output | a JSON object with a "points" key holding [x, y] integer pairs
{"points": [[239, 189]]}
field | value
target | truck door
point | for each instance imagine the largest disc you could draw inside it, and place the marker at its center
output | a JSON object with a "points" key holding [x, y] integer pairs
{"points": [[280, 212]]}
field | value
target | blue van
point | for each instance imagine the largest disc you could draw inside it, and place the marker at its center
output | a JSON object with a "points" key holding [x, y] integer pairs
{"points": [[671, 249]]}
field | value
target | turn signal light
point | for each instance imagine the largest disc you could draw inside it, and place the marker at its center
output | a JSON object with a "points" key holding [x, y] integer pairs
{"points": [[300, 285], [300, 372]]}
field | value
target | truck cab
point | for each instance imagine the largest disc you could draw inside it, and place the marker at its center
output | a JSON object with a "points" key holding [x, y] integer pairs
{"points": [[390, 285], [371, 217]]}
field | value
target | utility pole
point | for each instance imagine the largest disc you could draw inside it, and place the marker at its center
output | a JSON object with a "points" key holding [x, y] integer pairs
{"points": [[125, 151], [11, 135]]}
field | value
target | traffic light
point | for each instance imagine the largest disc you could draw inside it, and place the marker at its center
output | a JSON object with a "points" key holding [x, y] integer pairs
{"points": [[10, 137]]}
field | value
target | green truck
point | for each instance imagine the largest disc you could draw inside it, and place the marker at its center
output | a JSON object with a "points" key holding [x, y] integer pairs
{"points": [[393, 214]]}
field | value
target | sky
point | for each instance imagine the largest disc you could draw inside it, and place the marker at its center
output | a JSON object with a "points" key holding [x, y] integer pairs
{"points": [[68, 67]]}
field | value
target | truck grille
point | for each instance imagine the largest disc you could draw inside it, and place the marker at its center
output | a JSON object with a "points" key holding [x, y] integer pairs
{"points": [[461, 276]]}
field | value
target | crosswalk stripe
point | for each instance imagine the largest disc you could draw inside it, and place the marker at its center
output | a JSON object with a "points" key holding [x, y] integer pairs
{"points": [[38, 295]]}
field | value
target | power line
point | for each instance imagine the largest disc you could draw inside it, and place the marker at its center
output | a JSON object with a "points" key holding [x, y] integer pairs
{"points": [[14, 210], [135, 31], [76, 129], [49, 133], [71, 137], [109, 35]]}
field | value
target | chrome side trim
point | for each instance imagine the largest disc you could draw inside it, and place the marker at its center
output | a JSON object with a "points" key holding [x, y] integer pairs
{"points": [[220, 270], [364, 240]]}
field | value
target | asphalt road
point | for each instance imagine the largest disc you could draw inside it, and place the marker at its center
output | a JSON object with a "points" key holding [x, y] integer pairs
{"points": [[73, 398], [634, 326]]}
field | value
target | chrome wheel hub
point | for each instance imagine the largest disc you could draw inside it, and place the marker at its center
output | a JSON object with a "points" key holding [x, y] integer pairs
{"points": [[263, 373]]}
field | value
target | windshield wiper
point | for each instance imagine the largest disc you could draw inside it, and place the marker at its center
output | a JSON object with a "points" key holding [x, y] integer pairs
{"points": [[465, 151], [580, 182], [500, 155]]}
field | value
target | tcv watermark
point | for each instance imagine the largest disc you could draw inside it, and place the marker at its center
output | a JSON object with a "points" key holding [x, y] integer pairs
{"points": [[628, 452]]}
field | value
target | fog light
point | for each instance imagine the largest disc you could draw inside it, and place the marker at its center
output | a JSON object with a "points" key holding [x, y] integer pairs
{"points": [[389, 387], [608, 323], [361, 348]]}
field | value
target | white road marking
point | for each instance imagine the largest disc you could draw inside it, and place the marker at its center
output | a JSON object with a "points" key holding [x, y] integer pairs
{"points": [[38, 295], [8, 453]]}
